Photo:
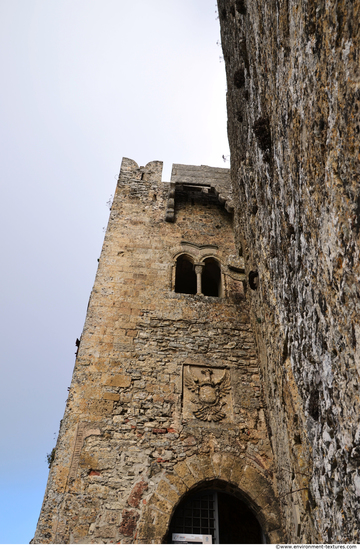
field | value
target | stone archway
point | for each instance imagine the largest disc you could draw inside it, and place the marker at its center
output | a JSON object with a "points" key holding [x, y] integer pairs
{"points": [[224, 471]]}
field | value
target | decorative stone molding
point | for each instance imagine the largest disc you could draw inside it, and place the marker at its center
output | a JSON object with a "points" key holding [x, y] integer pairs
{"points": [[198, 253]]}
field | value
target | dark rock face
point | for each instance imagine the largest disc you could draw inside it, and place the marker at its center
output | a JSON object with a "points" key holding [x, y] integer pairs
{"points": [[293, 73]]}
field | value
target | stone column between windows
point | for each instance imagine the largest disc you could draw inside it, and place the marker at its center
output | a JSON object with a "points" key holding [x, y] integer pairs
{"points": [[198, 271]]}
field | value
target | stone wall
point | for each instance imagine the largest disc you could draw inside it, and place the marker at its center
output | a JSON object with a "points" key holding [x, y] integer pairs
{"points": [[134, 439], [293, 77]]}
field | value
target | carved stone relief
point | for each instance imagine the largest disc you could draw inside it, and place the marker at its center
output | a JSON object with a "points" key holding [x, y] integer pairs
{"points": [[207, 393], [84, 430]]}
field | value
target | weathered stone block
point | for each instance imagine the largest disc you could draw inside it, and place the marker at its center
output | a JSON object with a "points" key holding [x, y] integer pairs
{"points": [[276, 536], [201, 467], [106, 532], [118, 380], [164, 490], [128, 522], [216, 463], [161, 504], [99, 407], [184, 474], [111, 396], [238, 472], [136, 493], [176, 482], [226, 466]]}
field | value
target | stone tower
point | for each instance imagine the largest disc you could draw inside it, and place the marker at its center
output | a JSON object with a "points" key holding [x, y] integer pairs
{"points": [[164, 429]]}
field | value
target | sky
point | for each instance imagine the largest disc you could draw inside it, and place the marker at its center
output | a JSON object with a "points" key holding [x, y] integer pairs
{"points": [[83, 84]]}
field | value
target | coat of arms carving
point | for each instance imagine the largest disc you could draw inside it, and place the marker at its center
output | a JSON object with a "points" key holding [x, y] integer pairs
{"points": [[209, 387]]}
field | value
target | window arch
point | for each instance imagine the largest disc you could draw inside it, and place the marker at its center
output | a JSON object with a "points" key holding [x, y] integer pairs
{"points": [[185, 276], [211, 278]]}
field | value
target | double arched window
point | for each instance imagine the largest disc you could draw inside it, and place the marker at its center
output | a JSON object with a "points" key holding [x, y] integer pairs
{"points": [[198, 278]]}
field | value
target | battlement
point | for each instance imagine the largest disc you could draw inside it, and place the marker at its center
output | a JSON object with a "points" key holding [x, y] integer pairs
{"points": [[130, 171], [206, 182]]}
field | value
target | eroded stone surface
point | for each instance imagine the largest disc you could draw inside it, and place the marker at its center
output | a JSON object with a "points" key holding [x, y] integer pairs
{"points": [[293, 78]]}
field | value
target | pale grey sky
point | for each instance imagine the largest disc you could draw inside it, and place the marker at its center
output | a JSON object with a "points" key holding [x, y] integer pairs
{"points": [[83, 83]]}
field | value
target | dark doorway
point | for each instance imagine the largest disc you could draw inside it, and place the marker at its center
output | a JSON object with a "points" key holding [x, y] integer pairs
{"points": [[237, 524], [185, 277], [211, 278], [222, 515]]}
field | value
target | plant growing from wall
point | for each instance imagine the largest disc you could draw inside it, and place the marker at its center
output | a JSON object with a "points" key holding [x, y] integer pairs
{"points": [[50, 457]]}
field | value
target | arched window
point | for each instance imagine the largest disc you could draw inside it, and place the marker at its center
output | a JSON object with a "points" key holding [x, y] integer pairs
{"points": [[185, 276], [219, 514], [211, 278]]}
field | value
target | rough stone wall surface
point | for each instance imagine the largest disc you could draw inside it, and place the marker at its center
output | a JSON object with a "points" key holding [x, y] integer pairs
{"points": [[130, 444], [293, 93]]}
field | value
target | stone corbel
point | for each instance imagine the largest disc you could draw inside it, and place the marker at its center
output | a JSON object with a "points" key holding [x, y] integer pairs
{"points": [[170, 208]]}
